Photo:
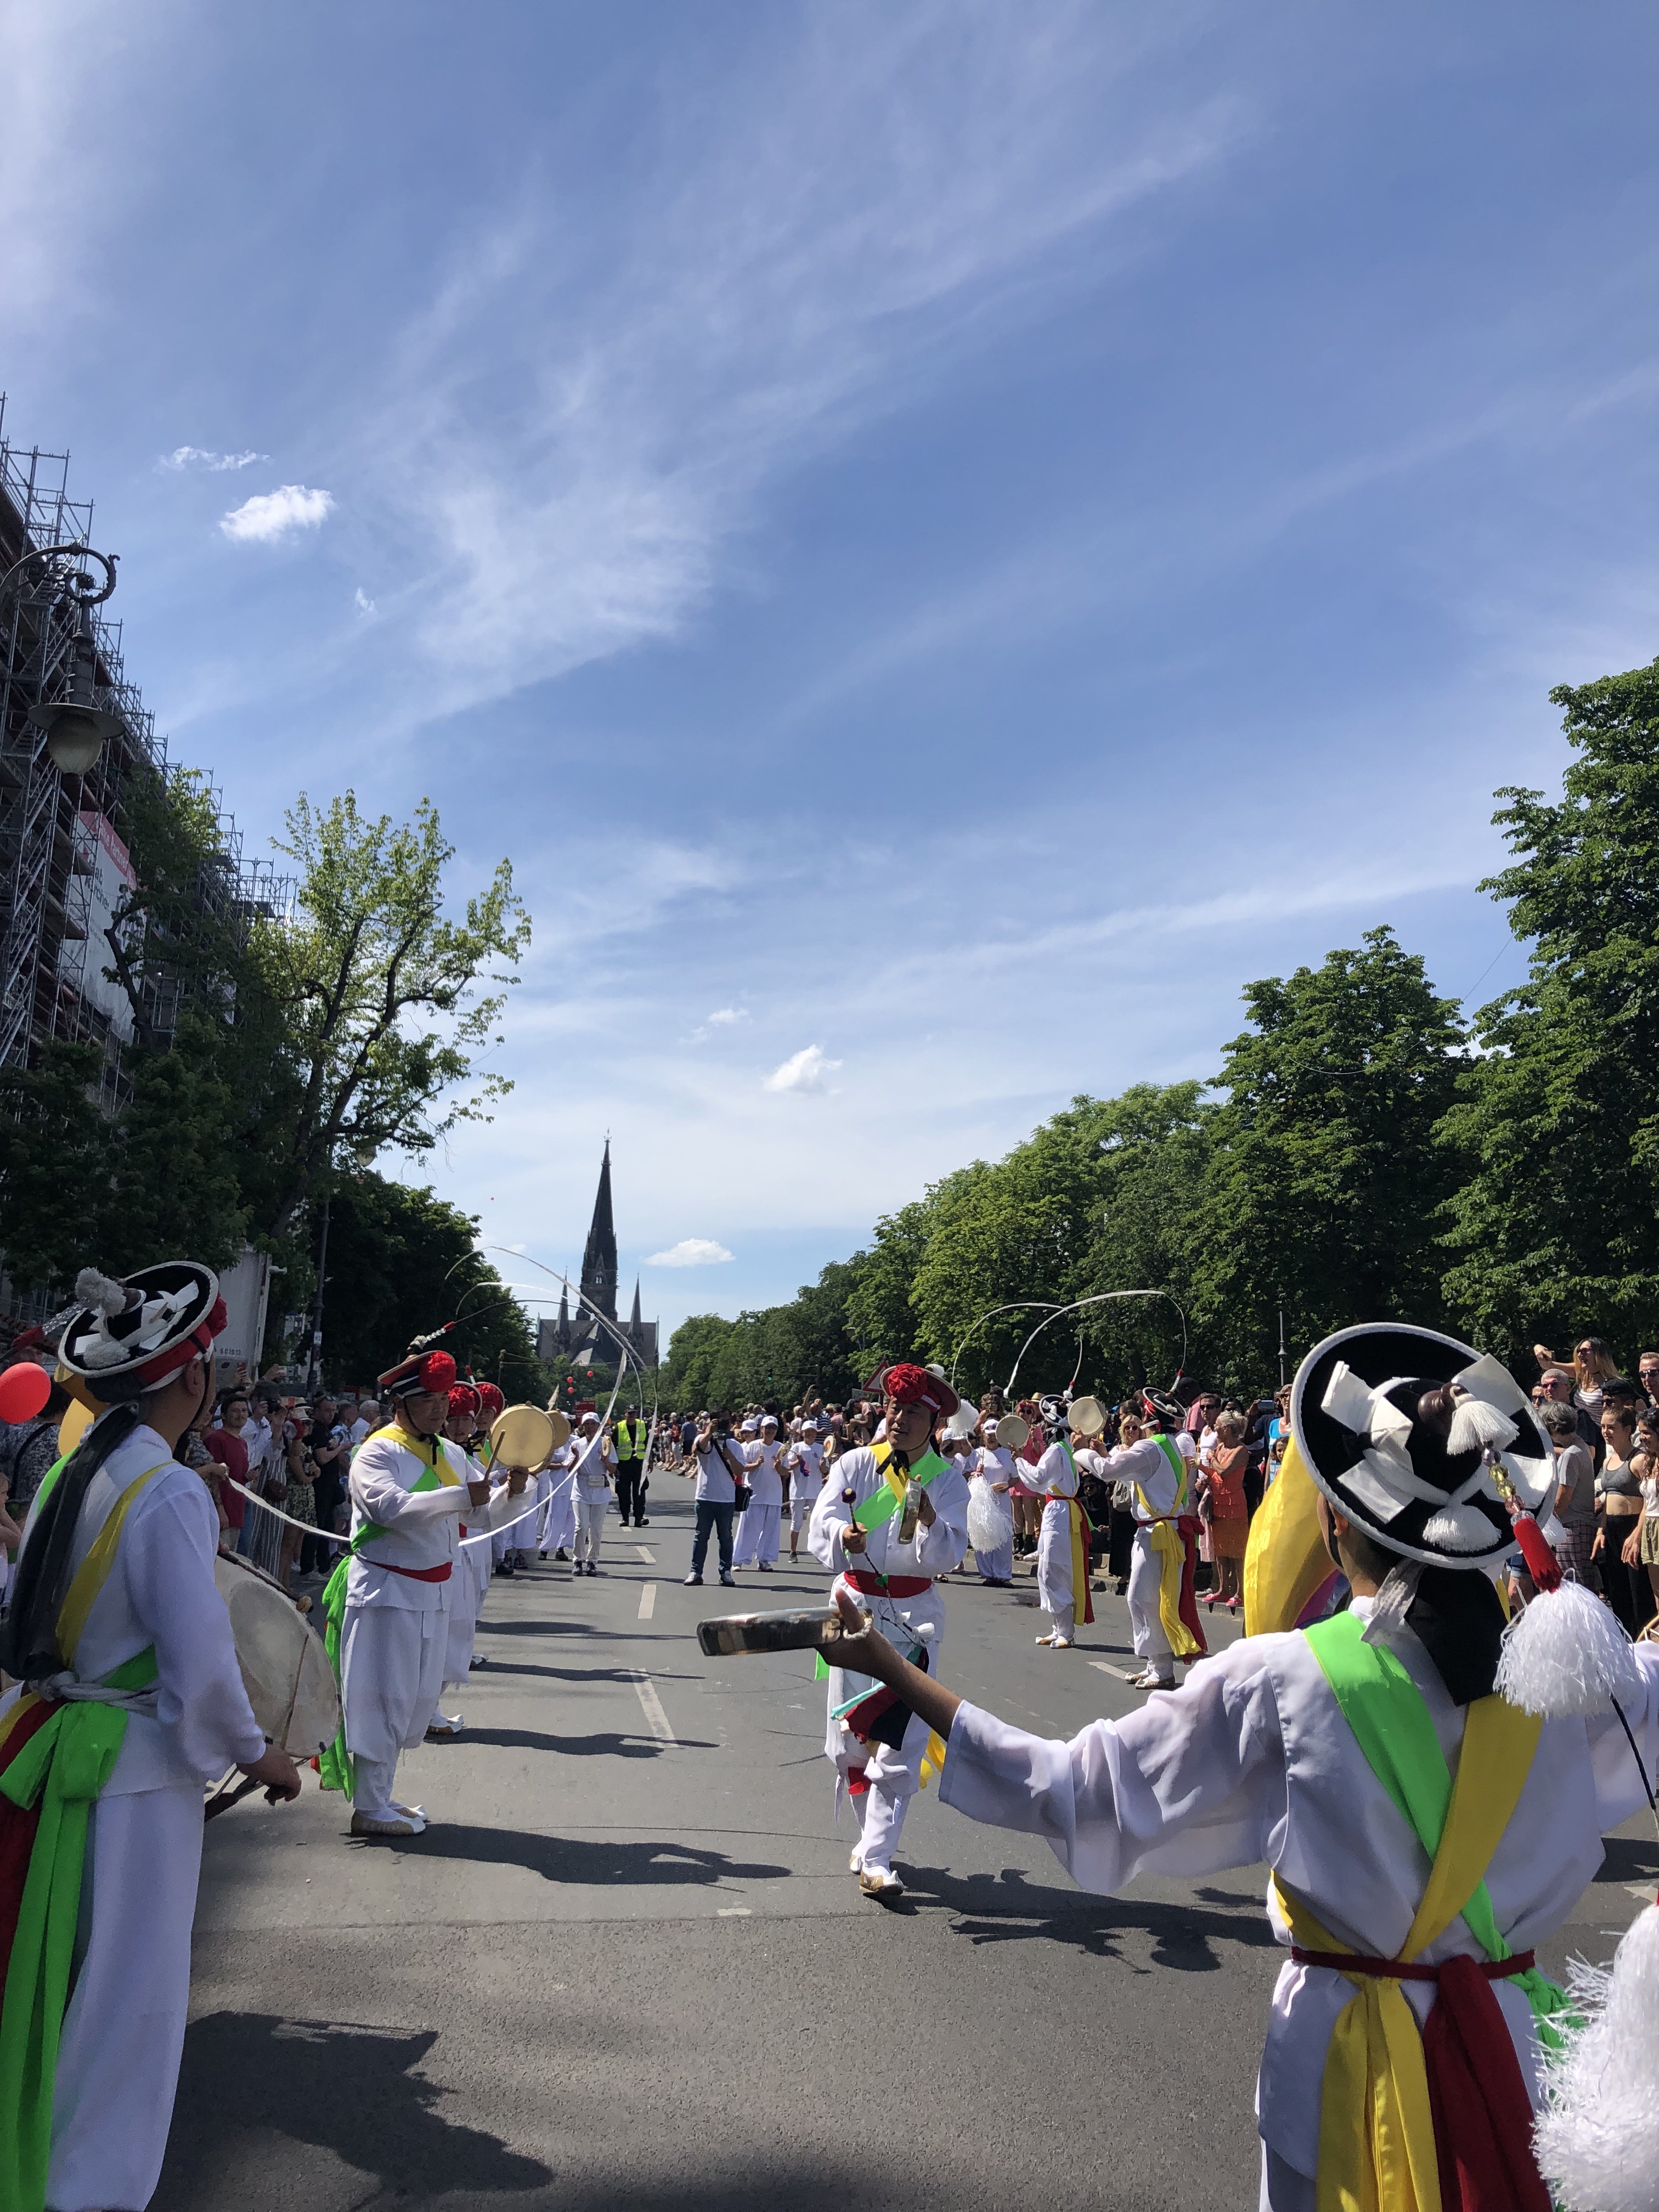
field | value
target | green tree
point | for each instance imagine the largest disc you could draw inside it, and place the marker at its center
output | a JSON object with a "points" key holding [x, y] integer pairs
{"points": [[879, 1314], [401, 1263], [54, 1166], [1553, 1230], [381, 993], [1326, 1176]]}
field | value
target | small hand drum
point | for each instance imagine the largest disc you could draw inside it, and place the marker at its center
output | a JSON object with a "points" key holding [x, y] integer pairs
{"points": [[1014, 1432], [1088, 1416], [523, 1436]]}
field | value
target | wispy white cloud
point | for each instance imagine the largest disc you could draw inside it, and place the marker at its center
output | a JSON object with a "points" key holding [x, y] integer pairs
{"points": [[360, 600], [198, 457], [690, 1252], [790, 257], [809, 1069], [269, 516], [723, 1017]]}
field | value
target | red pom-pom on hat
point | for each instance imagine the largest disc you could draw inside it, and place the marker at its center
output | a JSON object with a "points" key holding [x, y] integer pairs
{"points": [[463, 1399], [907, 1384]]}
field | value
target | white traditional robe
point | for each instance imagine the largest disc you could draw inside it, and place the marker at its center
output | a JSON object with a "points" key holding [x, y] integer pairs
{"points": [[394, 1644], [1146, 1464], [470, 1584], [124, 2030], [914, 1624], [806, 1479], [595, 1461], [1054, 1480], [1252, 1760], [558, 1530], [758, 1524]]}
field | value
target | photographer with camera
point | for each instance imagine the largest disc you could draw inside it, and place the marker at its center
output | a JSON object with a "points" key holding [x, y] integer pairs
{"points": [[720, 1473]]}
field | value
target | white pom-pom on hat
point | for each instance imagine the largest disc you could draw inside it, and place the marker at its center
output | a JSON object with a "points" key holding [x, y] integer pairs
{"points": [[102, 1291], [1476, 1424], [1597, 2136], [1565, 1653]]}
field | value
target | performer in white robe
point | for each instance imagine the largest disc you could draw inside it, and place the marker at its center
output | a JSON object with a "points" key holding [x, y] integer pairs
{"points": [[1263, 1755], [470, 1584], [1055, 1480], [805, 1468], [407, 1488], [557, 1538], [1141, 1460], [879, 1755], [89, 2131], [758, 1529], [990, 1477], [595, 1463]]}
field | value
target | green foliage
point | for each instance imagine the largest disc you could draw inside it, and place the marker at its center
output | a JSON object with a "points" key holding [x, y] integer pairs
{"points": [[401, 1263], [379, 991], [54, 1165], [1553, 1227], [1326, 1178], [782, 1352]]}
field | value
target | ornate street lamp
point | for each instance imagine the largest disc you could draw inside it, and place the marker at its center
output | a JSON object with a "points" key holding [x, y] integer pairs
{"points": [[76, 731]]}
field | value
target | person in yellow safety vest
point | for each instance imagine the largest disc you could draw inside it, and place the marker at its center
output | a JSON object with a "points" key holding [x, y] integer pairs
{"points": [[631, 1435]]}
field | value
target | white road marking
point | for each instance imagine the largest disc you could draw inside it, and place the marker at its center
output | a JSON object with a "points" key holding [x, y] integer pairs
{"points": [[655, 1719], [1644, 1890], [647, 1600], [1107, 1667], [646, 1554], [732, 1912]]}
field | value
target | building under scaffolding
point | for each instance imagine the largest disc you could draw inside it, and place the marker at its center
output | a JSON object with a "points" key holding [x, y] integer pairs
{"points": [[64, 866]]}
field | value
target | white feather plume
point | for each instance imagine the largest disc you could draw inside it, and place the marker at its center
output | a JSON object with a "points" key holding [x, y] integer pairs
{"points": [[1567, 1653], [1597, 2136], [102, 1291], [1476, 1424], [1457, 1528]]}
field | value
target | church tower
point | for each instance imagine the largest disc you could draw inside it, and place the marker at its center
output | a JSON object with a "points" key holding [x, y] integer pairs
{"points": [[599, 1258]]}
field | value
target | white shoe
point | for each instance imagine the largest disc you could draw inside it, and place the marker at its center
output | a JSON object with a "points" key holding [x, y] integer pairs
{"points": [[855, 1860], [1048, 1638], [445, 1724], [402, 1826], [1059, 1643], [411, 1812], [880, 1881]]}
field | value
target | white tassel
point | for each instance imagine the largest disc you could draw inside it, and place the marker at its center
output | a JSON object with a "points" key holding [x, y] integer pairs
{"points": [[1458, 1528], [1597, 2136], [1567, 1653], [102, 1291], [1476, 1424]]}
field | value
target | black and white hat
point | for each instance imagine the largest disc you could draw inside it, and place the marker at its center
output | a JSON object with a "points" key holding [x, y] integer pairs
{"points": [[141, 1329], [1395, 1424]]}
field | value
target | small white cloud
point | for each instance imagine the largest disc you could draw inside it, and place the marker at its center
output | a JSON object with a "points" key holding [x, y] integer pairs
{"points": [[269, 515], [361, 601], [723, 1017], [805, 1070], [690, 1252], [198, 457]]}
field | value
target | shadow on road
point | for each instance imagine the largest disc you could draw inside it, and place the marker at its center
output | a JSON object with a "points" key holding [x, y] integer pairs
{"points": [[564, 1859], [1009, 1908], [1629, 1858], [247, 2076], [581, 1746]]}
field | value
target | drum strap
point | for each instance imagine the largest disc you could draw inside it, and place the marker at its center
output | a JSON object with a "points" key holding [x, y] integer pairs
{"points": [[55, 1757]]}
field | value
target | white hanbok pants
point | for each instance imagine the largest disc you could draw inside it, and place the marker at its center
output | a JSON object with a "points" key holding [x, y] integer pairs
{"points": [[559, 1520], [124, 2031], [757, 1535], [590, 1510], [1054, 1575], [997, 1566], [894, 1777], [1283, 2189], [1146, 1576], [469, 1586], [391, 1670]]}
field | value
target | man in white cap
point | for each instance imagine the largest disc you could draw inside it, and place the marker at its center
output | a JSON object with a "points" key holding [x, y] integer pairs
{"points": [[595, 1463], [127, 1700], [806, 1469], [757, 1531]]}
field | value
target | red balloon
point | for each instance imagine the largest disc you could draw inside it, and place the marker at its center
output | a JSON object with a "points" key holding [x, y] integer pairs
{"points": [[24, 1389]]}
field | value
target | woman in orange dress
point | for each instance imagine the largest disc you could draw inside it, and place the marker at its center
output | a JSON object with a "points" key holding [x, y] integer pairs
{"points": [[1230, 1511]]}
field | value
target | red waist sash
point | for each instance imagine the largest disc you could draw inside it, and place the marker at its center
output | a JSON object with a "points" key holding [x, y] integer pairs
{"points": [[411, 1574], [1397, 1970], [873, 1585]]}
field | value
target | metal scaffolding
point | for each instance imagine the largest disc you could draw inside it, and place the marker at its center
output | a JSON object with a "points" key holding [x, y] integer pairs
{"points": [[60, 835]]}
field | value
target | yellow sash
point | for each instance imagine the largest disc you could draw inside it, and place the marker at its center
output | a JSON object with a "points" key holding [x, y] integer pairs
{"points": [[1376, 2147], [1164, 1539]]}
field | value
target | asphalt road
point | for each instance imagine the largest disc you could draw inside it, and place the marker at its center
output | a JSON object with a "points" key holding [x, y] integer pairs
{"points": [[627, 1964]]}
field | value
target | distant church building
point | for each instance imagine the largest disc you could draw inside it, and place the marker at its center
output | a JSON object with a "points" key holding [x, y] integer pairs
{"points": [[586, 1337]]}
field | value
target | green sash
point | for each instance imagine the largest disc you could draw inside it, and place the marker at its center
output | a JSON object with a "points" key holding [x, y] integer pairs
{"points": [[876, 1510], [335, 1767], [1172, 1451], [1395, 1731], [60, 1769]]}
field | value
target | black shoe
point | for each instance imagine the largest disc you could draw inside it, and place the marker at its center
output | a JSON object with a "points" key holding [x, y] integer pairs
{"points": [[561, 1553], [646, 1523], [506, 1568], [694, 1582], [591, 1569]]}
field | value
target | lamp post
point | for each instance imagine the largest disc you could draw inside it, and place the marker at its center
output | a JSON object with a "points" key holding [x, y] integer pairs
{"points": [[76, 731]]}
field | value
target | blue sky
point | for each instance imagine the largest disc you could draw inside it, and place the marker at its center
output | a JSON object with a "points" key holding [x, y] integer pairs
{"points": [[941, 539]]}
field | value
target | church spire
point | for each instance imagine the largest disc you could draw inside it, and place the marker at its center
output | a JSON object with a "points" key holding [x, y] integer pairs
{"points": [[599, 1258], [633, 1319]]}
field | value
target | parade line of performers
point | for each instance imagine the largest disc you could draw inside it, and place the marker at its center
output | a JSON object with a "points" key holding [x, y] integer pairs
{"points": [[1426, 1778]]}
